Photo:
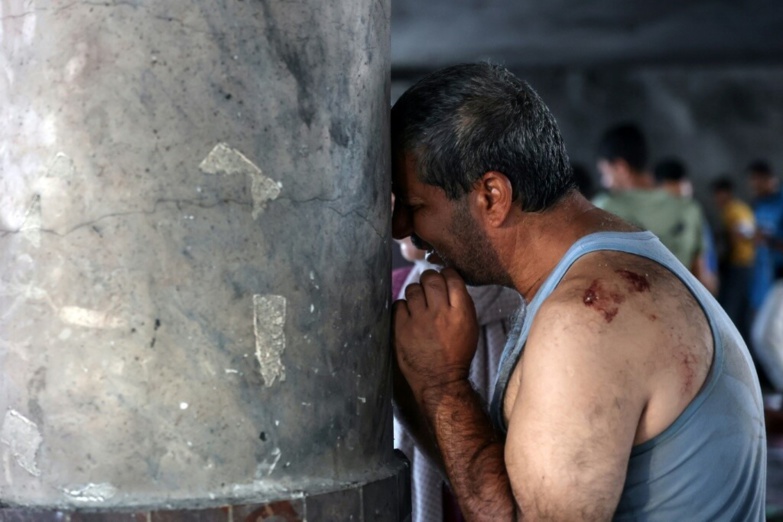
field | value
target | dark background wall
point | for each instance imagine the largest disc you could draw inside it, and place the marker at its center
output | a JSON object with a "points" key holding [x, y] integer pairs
{"points": [[704, 79], [717, 119], [574, 32]]}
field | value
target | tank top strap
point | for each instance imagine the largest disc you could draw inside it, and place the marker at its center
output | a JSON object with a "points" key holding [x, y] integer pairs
{"points": [[644, 244]]}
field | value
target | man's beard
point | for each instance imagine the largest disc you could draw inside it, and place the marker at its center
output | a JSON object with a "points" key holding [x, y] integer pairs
{"points": [[473, 256]]}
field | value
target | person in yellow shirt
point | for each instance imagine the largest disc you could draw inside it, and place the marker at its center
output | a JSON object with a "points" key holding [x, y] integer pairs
{"points": [[736, 267]]}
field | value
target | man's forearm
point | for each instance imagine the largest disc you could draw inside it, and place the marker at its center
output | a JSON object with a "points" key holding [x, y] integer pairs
{"points": [[408, 413], [471, 452]]}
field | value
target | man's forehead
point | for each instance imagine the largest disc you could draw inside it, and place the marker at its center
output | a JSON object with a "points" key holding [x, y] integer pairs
{"points": [[404, 175], [407, 186]]}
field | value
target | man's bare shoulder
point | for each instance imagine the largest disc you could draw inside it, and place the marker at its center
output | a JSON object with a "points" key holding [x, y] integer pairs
{"points": [[638, 322], [606, 292], [625, 309]]}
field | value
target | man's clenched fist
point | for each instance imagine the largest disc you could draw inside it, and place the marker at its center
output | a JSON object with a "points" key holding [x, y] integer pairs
{"points": [[435, 331]]}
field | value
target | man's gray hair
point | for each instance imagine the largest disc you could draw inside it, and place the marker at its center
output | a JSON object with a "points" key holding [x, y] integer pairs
{"points": [[466, 120]]}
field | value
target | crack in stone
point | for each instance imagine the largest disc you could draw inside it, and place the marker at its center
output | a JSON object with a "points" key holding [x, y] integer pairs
{"points": [[383, 9], [17, 16], [113, 4], [116, 3], [360, 216], [189, 27], [309, 200], [40, 10], [191, 202], [62, 8], [333, 209]]}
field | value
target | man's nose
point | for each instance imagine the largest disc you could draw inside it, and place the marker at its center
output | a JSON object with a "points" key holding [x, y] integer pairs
{"points": [[401, 222]]}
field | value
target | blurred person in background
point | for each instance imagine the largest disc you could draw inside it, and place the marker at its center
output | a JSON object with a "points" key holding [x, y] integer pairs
{"points": [[672, 176], [768, 211], [736, 264], [678, 222], [767, 284], [496, 308]]}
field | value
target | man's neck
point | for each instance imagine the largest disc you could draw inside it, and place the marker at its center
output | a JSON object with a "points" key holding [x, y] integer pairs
{"points": [[537, 242]]}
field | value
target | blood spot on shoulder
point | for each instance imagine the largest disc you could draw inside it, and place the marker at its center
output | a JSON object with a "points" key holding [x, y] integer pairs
{"points": [[602, 300], [591, 295], [636, 282]]}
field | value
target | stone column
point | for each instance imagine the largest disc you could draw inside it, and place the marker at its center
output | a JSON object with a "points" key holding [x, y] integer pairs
{"points": [[194, 215]]}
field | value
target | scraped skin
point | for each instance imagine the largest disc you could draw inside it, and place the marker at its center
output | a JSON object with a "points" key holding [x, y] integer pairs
{"points": [[607, 301]]}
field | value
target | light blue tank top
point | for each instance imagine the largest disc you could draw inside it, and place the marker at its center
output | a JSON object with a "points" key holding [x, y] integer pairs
{"points": [[711, 463]]}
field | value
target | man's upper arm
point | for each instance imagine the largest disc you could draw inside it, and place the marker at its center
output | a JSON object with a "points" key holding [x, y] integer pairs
{"points": [[575, 417]]}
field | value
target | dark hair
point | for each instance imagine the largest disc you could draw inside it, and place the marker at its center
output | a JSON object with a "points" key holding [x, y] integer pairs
{"points": [[670, 169], [626, 142], [722, 184], [760, 167], [463, 121]]}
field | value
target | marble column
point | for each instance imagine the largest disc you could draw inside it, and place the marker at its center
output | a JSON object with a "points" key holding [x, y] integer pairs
{"points": [[194, 216]]}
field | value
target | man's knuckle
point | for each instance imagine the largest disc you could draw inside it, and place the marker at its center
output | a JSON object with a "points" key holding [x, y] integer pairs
{"points": [[413, 288]]}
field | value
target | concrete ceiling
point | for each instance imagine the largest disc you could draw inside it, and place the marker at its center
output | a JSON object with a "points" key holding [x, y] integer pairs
{"points": [[427, 34]]}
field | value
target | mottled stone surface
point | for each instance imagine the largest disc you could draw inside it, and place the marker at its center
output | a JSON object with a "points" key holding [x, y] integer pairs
{"points": [[373, 502], [164, 168]]}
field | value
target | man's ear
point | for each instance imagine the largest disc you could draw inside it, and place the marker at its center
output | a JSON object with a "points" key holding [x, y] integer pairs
{"points": [[494, 198]]}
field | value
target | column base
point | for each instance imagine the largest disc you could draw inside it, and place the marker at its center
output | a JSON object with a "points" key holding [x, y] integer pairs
{"points": [[384, 500]]}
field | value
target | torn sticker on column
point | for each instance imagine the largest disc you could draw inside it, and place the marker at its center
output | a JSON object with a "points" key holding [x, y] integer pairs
{"points": [[33, 222], [89, 318], [91, 493], [224, 160], [23, 440], [268, 324], [61, 167], [267, 466]]}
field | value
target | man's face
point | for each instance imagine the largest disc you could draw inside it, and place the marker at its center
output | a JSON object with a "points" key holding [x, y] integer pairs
{"points": [[441, 226], [685, 188], [615, 174], [607, 171]]}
